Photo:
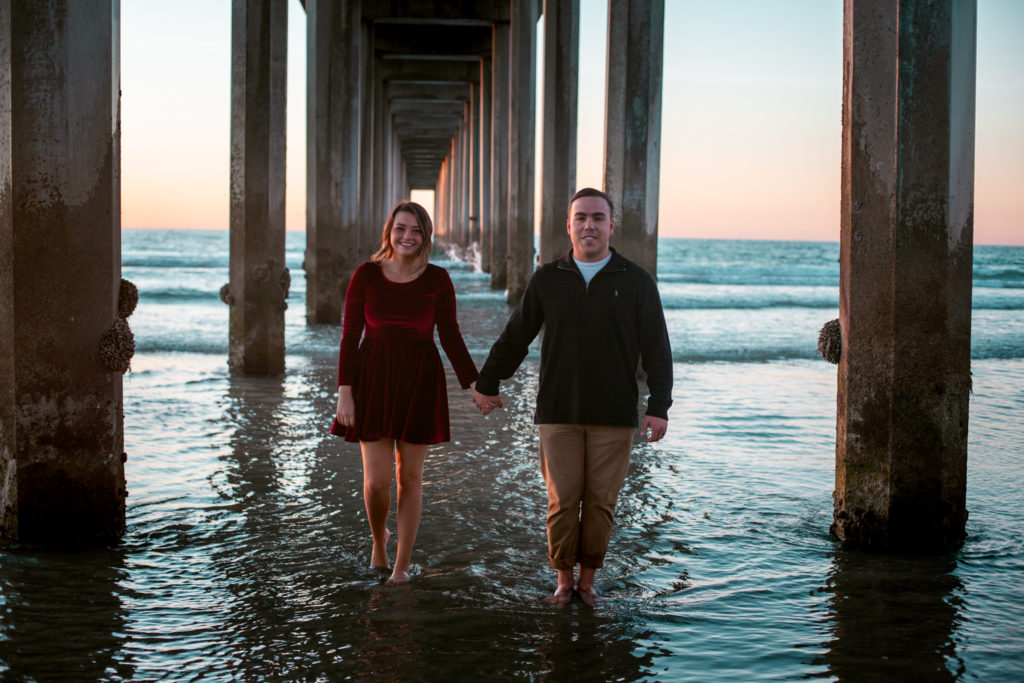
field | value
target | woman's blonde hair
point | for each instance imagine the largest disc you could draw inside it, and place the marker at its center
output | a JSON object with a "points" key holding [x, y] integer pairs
{"points": [[426, 225]]}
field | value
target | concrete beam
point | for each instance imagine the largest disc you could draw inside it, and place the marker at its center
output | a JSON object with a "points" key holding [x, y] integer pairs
{"points": [[436, 12], [259, 279], [408, 69], [61, 429], [522, 120], [428, 90], [633, 125], [332, 152], [905, 272], [561, 78], [440, 40]]}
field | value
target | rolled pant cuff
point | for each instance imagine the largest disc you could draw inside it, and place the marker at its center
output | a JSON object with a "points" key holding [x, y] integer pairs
{"points": [[592, 561], [561, 563]]}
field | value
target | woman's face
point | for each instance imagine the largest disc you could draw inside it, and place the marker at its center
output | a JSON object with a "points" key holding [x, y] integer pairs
{"points": [[406, 235]]}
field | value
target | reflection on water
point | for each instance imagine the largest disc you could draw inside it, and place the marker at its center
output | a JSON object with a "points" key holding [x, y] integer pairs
{"points": [[893, 618], [247, 550], [63, 615]]}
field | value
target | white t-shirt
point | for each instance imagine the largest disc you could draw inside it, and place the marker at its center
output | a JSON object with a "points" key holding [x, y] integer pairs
{"points": [[589, 269]]}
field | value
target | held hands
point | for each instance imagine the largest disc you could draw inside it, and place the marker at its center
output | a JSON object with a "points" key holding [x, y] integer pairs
{"points": [[485, 403], [346, 411], [653, 428]]}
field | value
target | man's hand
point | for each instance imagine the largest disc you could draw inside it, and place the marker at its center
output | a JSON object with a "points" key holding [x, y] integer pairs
{"points": [[653, 428], [486, 403]]}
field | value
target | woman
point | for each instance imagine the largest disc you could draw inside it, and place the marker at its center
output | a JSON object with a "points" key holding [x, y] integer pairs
{"points": [[392, 397]]}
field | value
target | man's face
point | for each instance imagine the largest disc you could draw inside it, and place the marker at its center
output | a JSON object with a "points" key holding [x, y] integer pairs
{"points": [[590, 226]]}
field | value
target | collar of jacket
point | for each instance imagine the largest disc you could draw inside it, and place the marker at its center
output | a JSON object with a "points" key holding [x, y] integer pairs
{"points": [[617, 263]]}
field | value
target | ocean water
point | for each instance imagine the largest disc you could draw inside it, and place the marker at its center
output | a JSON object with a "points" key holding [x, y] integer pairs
{"points": [[246, 551]]}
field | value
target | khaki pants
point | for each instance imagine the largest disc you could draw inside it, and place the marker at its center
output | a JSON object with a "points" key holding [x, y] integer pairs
{"points": [[584, 467]]}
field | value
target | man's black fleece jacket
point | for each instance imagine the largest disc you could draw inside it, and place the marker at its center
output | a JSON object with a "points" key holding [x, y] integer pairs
{"points": [[594, 337]]}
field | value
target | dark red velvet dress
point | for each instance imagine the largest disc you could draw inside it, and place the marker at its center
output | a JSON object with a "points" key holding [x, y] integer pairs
{"points": [[396, 374]]}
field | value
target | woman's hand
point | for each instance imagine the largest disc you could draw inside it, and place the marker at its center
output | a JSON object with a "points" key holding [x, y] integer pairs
{"points": [[346, 411]]}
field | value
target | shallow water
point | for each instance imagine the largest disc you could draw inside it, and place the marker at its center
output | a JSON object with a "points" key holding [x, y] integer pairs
{"points": [[247, 548]]}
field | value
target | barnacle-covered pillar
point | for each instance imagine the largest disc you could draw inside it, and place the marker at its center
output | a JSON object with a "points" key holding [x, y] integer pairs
{"points": [[905, 272], [259, 280], [64, 340]]}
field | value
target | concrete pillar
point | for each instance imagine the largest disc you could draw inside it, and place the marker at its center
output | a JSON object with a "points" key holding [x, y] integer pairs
{"points": [[8, 464], [561, 76], [380, 200], [522, 120], [370, 223], [440, 223], [465, 186], [905, 272], [449, 194], [632, 155], [458, 212], [259, 280], [61, 424], [332, 154], [473, 164], [484, 164], [500, 105]]}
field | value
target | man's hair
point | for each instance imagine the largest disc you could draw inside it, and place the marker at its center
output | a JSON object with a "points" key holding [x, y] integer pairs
{"points": [[591, 192]]}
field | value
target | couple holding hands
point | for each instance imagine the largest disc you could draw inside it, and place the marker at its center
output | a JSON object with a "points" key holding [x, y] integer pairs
{"points": [[602, 319]]}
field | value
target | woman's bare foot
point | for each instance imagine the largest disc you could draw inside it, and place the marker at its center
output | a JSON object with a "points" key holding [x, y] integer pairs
{"points": [[379, 556], [398, 578]]}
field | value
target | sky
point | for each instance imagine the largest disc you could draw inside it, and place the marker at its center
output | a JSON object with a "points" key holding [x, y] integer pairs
{"points": [[751, 117]]}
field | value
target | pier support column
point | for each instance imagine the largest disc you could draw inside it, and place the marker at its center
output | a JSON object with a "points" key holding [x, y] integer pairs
{"points": [[61, 423], [561, 76], [370, 223], [8, 464], [259, 280], [500, 80], [905, 272], [522, 120], [332, 154], [484, 164], [633, 128]]}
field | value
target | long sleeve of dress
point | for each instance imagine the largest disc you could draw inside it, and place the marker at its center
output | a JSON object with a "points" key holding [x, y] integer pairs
{"points": [[450, 335], [352, 328]]}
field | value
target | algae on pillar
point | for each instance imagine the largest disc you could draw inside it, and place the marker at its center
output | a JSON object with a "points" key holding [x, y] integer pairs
{"points": [[905, 272], [61, 423], [259, 280]]}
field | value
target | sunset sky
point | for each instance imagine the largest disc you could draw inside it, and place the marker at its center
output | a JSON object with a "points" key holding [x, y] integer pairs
{"points": [[751, 116]]}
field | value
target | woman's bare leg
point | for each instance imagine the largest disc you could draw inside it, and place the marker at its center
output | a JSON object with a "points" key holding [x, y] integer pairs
{"points": [[409, 471], [378, 457]]}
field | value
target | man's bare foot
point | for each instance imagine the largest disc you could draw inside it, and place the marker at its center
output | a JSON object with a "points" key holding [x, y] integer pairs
{"points": [[398, 578], [590, 597], [561, 598], [379, 556]]}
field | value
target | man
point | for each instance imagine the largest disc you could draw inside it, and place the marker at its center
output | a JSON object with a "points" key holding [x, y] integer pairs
{"points": [[601, 314]]}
